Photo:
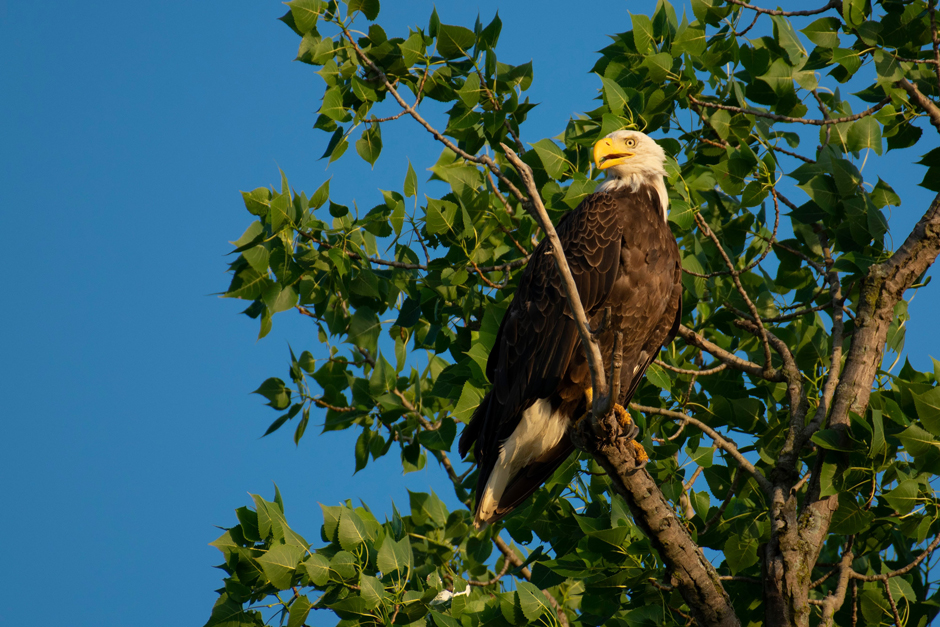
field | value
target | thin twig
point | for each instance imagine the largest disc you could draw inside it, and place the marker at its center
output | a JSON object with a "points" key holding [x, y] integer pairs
{"points": [[894, 606], [511, 556], [481, 159], [833, 4], [694, 339], [696, 373], [717, 438], [703, 225], [786, 118], [900, 571], [743, 32], [602, 401]]}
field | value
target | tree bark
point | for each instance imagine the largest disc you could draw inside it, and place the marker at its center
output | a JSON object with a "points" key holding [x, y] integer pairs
{"points": [[692, 574]]}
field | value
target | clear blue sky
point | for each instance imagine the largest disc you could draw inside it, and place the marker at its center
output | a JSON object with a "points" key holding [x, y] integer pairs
{"points": [[126, 133]]}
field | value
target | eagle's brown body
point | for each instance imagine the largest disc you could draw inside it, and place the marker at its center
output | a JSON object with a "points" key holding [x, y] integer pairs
{"points": [[622, 255]]}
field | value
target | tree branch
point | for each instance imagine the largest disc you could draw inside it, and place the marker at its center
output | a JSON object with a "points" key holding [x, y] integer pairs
{"points": [[786, 118], [703, 225], [833, 4], [922, 101], [602, 402], [718, 439], [481, 159], [694, 339], [901, 571]]}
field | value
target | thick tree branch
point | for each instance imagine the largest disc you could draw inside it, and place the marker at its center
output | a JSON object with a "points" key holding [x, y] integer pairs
{"points": [[922, 101], [696, 578]]}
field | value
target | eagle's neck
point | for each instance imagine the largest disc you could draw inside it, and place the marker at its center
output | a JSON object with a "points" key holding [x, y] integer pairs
{"points": [[634, 181]]}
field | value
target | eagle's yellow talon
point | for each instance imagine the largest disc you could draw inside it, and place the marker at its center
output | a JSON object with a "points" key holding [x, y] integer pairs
{"points": [[623, 416], [639, 452]]}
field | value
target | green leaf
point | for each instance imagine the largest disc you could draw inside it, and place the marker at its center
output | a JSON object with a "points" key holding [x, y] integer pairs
{"points": [[299, 610], [831, 440], [903, 498], [441, 216], [454, 41], [470, 91], [553, 159], [532, 601], [352, 531], [692, 41], [395, 556], [659, 66], [658, 377], [865, 133], [369, 145], [854, 12], [918, 442], [427, 509], [332, 106], [788, 39], [258, 201], [850, 519], [369, 8], [439, 439], [823, 32], [411, 182], [276, 391], [615, 96], [884, 195], [318, 569], [279, 563], [320, 196], [642, 33], [740, 552], [372, 591], [306, 13], [928, 409]]}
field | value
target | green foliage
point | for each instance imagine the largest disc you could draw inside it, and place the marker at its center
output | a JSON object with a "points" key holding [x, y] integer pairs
{"points": [[406, 299]]}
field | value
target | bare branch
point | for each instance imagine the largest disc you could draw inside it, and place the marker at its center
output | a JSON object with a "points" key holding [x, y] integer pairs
{"points": [[601, 402], [837, 597], [894, 606], [744, 32], [901, 571], [833, 4], [719, 440], [788, 119], [696, 373], [694, 339], [510, 555], [410, 109], [703, 225]]}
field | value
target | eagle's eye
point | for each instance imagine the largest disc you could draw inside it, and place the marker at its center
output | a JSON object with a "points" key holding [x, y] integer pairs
{"points": [[630, 143]]}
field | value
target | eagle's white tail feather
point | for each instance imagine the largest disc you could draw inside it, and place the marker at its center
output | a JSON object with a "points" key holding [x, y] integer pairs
{"points": [[539, 430]]}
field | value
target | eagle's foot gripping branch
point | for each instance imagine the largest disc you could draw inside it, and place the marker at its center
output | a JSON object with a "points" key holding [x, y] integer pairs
{"points": [[630, 431]]}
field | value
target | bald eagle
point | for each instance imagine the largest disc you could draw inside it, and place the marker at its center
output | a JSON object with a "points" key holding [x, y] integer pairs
{"points": [[622, 256]]}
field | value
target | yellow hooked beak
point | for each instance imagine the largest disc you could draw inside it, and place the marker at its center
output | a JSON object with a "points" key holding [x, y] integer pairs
{"points": [[609, 152]]}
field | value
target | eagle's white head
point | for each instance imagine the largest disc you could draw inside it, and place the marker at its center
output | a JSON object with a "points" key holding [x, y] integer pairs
{"points": [[632, 159]]}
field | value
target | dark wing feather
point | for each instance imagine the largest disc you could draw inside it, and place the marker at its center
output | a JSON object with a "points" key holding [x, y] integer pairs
{"points": [[538, 336]]}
